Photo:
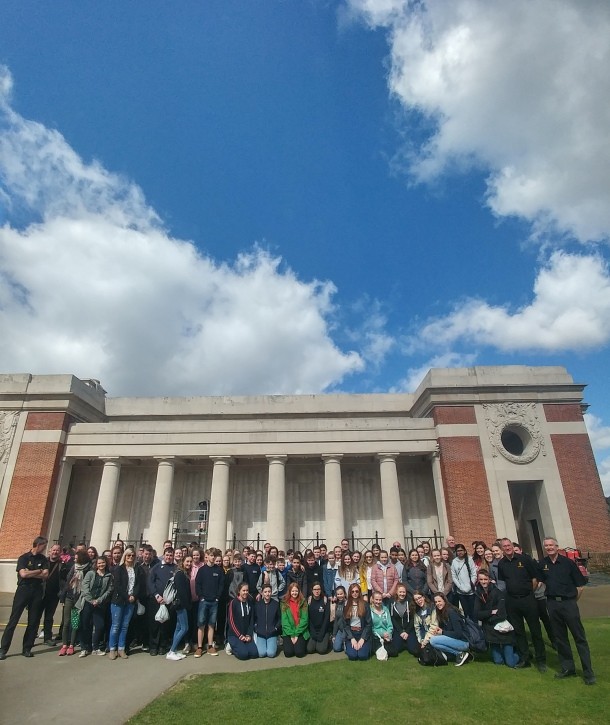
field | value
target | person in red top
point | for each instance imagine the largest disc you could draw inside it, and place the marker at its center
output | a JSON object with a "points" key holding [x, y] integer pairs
{"points": [[295, 622]]}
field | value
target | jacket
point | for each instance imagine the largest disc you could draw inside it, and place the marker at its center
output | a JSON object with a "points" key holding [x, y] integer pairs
{"points": [[277, 581], [414, 578], [447, 579], [381, 622], [424, 619], [384, 579], [404, 623], [464, 574], [484, 604], [366, 624], [328, 580], [267, 619], [241, 618], [121, 585], [289, 628], [182, 582], [158, 577], [88, 582]]}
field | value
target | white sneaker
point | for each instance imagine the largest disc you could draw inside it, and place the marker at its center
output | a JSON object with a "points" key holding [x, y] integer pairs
{"points": [[174, 656], [41, 634], [100, 652], [228, 649], [187, 649]]}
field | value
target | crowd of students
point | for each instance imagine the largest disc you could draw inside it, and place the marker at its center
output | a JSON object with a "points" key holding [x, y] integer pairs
{"points": [[254, 603]]}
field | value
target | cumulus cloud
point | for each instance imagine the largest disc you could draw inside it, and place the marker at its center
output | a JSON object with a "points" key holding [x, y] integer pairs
{"points": [[600, 440], [518, 88], [570, 310], [95, 286]]}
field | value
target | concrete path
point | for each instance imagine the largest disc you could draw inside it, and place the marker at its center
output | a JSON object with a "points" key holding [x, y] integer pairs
{"points": [[34, 690]]}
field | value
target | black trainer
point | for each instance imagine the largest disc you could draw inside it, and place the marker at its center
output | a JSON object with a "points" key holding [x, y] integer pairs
{"points": [[2, 654], [564, 674], [27, 653]]}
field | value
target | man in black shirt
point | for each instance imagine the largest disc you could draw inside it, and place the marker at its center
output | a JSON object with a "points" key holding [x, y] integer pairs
{"points": [[564, 585], [520, 575], [32, 572]]}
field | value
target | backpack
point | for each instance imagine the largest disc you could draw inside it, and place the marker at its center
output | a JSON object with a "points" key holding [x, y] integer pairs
{"points": [[431, 657], [170, 593], [474, 635]]}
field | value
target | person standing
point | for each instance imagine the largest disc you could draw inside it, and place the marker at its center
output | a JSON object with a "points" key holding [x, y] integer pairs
{"points": [[32, 572], [564, 585], [520, 574], [58, 572]]}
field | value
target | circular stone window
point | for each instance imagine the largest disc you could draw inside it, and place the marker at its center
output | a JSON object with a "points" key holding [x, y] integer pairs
{"points": [[517, 442]]}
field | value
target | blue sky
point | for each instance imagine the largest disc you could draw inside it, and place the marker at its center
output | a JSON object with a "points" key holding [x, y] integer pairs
{"points": [[274, 197]]}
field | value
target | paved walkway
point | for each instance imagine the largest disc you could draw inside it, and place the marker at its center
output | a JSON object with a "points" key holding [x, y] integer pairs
{"points": [[33, 690]]}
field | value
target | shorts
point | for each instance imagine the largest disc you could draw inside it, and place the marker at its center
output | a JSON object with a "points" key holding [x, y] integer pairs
{"points": [[208, 611]]}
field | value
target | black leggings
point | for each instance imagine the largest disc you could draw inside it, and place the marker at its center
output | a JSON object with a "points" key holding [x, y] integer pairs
{"points": [[298, 649]]}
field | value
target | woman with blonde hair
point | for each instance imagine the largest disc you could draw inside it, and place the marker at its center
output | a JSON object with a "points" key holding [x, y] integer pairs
{"points": [[366, 567], [129, 587]]}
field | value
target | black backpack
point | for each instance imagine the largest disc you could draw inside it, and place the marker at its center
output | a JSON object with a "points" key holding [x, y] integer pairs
{"points": [[474, 635], [431, 657]]}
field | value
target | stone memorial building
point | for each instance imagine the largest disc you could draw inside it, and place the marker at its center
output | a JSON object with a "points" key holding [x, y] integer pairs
{"points": [[476, 452]]}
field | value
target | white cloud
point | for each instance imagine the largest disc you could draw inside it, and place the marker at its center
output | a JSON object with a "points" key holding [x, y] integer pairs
{"points": [[570, 311], [414, 376], [97, 287], [604, 474], [520, 88], [598, 432]]}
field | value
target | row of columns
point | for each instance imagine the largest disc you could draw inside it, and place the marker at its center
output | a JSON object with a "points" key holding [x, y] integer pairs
{"points": [[276, 499]]}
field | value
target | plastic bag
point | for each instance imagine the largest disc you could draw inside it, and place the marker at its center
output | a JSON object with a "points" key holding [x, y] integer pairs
{"points": [[162, 615], [504, 626]]}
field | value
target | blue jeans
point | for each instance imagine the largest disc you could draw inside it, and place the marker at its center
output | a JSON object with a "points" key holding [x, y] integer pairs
{"points": [[121, 616], [448, 644], [339, 642], [504, 654], [182, 628], [358, 654], [266, 646]]}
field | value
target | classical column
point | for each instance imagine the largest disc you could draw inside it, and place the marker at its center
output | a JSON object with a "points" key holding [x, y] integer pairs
{"points": [[104, 511], [439, 492], [333, 500], [390, 498], [219, 502], [61, 495], [158, 530], [276, 501]]}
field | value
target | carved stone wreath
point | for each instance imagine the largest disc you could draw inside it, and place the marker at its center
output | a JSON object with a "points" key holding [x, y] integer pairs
{"points": [[8, 421], [521, 420]]}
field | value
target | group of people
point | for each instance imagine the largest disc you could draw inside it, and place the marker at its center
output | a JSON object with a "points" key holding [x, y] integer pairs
{"points": [[252, 602]]}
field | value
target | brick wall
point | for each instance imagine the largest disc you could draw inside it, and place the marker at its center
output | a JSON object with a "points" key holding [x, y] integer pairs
{"points": [[466, 490], [583, 491], [448, 414], [28, 506], [563, 413]]}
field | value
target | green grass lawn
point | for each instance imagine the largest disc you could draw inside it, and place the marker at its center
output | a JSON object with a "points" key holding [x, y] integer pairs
{"points": [[399, 690]]}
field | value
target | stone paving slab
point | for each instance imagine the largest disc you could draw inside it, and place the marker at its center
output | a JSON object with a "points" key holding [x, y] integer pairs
{"points": [[67, 690]]}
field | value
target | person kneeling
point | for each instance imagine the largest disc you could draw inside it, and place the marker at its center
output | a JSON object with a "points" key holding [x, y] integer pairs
{"points": [[319, 621], [295, 622], [241, 625], [266, 623], [357, 625]]}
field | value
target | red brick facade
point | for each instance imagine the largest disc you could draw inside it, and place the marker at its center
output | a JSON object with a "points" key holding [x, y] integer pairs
{"points": [[448, 414], [28, 507], [571, 413], [466, 491], [47, 421], [583, 491]]}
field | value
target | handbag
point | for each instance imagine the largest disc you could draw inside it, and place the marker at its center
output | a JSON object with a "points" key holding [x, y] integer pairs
{"points": [[75, 618], [431, 657], [382, 653]]}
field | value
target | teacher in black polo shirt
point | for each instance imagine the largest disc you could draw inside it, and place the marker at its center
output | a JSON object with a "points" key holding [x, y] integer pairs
{"points": [[521, 577], [32, 572], [564, 584]]}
